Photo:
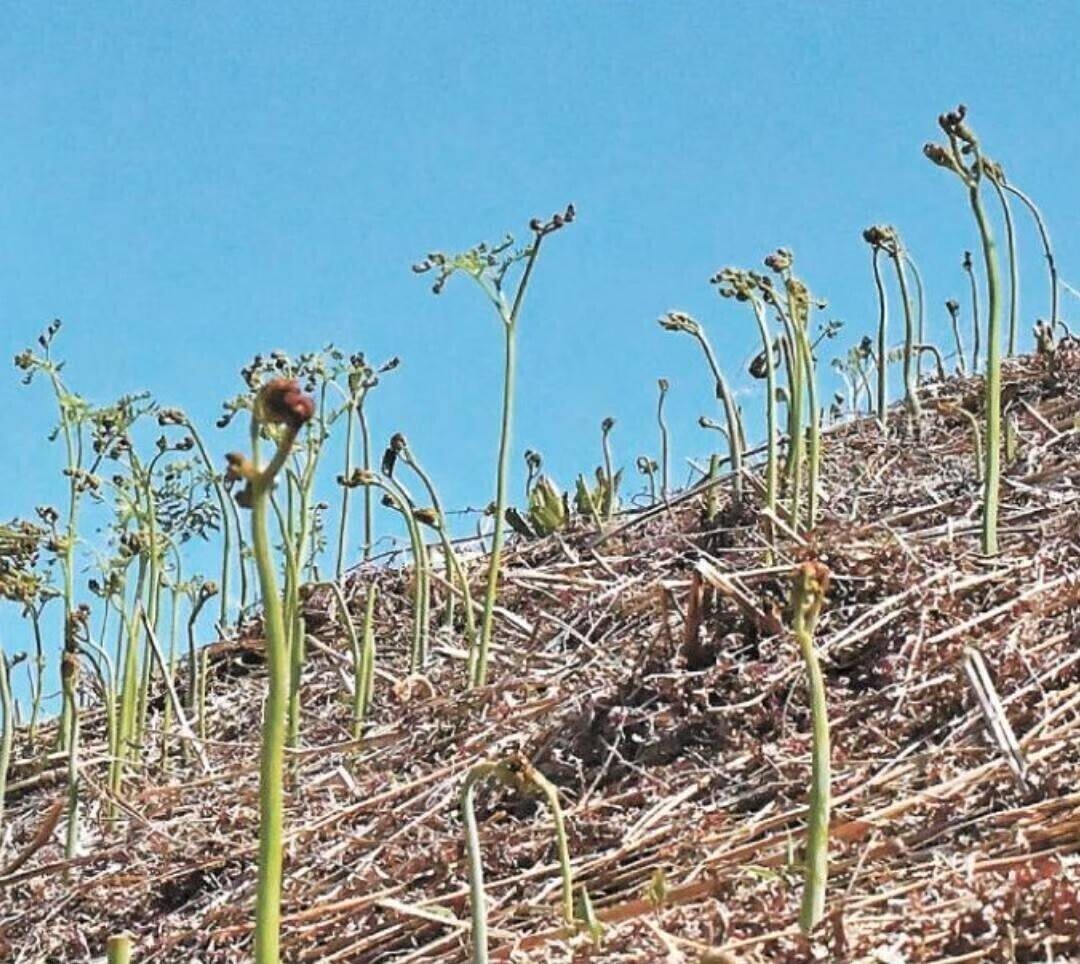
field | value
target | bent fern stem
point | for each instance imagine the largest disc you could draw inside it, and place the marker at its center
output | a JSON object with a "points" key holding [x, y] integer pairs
{"points": [[962, 145], [279, 406], [519, 774]]}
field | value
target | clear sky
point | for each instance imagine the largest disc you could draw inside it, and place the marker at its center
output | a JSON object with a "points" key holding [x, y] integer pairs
{"points": [[187, 184]]}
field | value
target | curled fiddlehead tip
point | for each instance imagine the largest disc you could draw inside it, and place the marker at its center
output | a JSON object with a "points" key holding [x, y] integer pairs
{"points": [[780, 260], [811, 584], [540, 227], [357, 479], [281, 401], [679, 321], [427, 516]]}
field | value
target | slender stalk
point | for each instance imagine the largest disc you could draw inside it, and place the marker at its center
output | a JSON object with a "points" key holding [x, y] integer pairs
{"points": [[953, 307], [976, 327], [477, 895], [487, 623], [920, 300], [665, 457], [963, 158], [69, 676], [771, 457], [609, 475], [797, 371], [1048, 251], [204, 672], [1014, 271], [346, 492], [7, 733], [454, 569], [517, 773], [939, 362], [551, 797], [976, 435], [911, 386], [203, 596], [730, 415], [369, 510], [992, 475], [711, 496], [37, 677], [279, 402], [400, 500], [483, 264], [814, 433], [106, 672], [811, 583], [366, 666], [229, 520], [882, 342]]}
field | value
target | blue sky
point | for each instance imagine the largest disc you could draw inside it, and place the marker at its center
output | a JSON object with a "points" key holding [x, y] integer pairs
{"points": [[188, 184]]}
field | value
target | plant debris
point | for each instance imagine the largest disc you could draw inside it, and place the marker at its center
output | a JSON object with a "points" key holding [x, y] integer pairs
{"points": [[648, 672]]}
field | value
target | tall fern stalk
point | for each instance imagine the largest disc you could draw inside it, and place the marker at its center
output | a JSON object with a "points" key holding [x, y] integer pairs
{"points": [[997, 179], [665, 457], [962, 145], [488, 267], [742, 286], [882, 335], [811, 584], [1048, 250], [281, 408], [680, 321]]}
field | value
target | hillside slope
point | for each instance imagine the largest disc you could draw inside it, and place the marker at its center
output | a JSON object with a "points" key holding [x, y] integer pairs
{"points": [[643, 673]]}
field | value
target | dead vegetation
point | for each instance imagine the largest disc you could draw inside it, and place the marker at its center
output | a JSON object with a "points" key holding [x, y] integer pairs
{"points": [[648, 673]]}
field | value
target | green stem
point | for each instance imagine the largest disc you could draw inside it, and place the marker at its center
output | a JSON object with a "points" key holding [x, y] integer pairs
{"points": [[796, 372], [1014, 271], [551, 796], [730, 415], [7, 734], [69, 678], [272, 757], [346, 492], [882, 342], [992, 475], [193, 669], [976, 328], [665, 458], [771, 458], [477, 896], [227, 522], [204, 672], [609, 475], [421, 631], [487, 623], [369, 512], [807, 601], [37, 678], [454, 569], [1048, 251], [920, 299], [911, 387]]}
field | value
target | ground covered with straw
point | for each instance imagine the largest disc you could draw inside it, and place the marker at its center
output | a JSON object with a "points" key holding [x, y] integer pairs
{"points": [[648, 672]]}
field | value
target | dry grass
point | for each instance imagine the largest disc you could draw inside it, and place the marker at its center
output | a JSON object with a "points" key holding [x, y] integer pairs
{"points": [[648, 675]]}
